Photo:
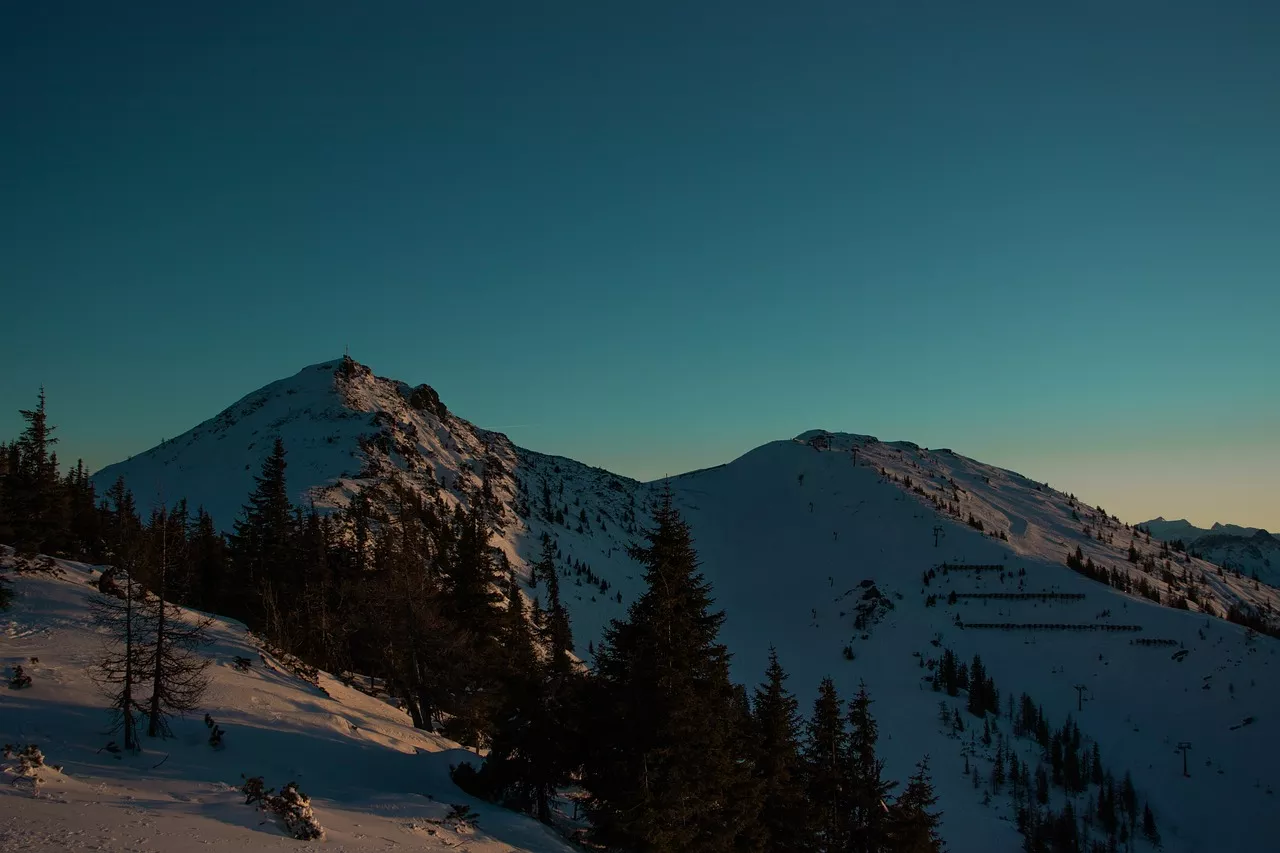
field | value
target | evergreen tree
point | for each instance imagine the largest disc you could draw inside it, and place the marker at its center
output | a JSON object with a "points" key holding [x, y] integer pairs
{"points": [[1149, 826], [826, 745], [1042, 785], [528, 755], [470, 597], [84, 537], [33, 507], [868, 789], [785, 815], [556, 629], [320, 629], [1129, 801], [261, 548], [207, 550], [947, 675], [912, 823], [121, 525], [664, 772], [1065, 833]]}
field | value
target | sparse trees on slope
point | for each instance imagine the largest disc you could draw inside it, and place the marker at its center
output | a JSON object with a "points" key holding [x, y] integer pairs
{"points": [[664, 770]]}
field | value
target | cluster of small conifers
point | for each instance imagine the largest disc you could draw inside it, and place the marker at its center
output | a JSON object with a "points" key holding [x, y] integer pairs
{"points": [[215, 732]]}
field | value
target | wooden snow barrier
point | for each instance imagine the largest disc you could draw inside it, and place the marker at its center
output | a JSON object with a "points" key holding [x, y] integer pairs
{"points": [[1024, 596], [966, 567], [1153, 641], [1047, 626]]}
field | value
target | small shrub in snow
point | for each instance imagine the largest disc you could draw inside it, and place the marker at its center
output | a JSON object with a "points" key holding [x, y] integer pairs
{"points": [[253, 790], [460, 817], [293, 806], [30, 761], [20, 679], [215, 732]]}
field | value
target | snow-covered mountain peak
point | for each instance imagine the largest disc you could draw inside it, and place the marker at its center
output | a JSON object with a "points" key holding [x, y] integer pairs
{"points": [[341, 425]]}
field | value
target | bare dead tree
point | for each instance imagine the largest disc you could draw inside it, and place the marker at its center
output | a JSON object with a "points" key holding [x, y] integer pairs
{"points": [[120, 671], [177, 671]]}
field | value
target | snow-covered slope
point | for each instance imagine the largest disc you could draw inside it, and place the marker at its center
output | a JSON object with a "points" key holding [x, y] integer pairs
{"points": [[376, 782], [789, 534], [788, 555]]}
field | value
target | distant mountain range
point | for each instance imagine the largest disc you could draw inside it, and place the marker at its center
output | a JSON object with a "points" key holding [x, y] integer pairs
{"points": [[1248, 550]]}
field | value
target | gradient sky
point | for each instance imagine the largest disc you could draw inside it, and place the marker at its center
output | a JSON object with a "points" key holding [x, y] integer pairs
{"points": [[654, 235]]}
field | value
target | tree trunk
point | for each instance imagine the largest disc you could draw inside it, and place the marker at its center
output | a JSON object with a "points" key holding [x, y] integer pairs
{"points": [[544, 804], [157, 678], [130, 739]]}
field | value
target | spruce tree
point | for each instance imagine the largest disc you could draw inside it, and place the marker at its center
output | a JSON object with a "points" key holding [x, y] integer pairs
{"points": [[664, 772], [912, 822], [556, 629], [868, 789], [785, 814], [33, 491], [84, 536], [1129, 801], [977, 688], [470, 598], [825, 749], [1149, 826], [528, 755], [261, 548], [208, 561]]}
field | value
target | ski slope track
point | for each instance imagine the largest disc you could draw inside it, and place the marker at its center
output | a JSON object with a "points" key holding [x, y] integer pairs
{"points": [[798, 537]]}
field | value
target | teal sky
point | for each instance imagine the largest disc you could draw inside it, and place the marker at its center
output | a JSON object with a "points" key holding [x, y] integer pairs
{"points": [[652, 236]]}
